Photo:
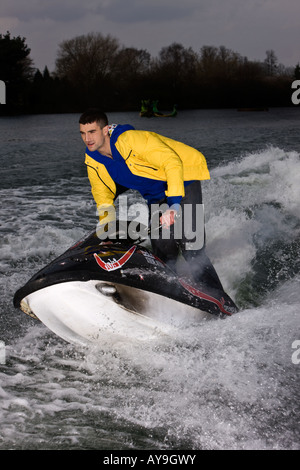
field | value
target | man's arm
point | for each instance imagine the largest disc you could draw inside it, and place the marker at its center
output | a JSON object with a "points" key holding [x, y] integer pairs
{"points": [[103, 193]]}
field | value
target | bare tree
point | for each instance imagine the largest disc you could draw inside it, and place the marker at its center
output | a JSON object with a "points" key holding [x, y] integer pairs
{"points": [[271, 62], [177, 60], [132, 62], [219, 62], [88, 59]]}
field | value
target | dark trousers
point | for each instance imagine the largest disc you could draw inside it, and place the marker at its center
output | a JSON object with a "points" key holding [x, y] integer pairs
{"points": [[192, 247]]}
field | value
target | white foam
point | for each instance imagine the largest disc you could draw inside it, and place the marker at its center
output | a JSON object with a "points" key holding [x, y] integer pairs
{"points": [[249, 204], [220, 385], [272, 175]]}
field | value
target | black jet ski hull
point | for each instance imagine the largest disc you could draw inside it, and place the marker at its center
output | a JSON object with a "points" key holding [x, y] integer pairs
{"points": [[118, 288]]}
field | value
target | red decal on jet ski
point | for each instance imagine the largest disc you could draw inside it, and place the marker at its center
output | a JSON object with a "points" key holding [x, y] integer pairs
{"points": [[115, 264], [204, 296]]}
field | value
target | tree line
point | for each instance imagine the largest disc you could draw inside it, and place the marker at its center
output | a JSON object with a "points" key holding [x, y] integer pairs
{"points": [[96, 70]]}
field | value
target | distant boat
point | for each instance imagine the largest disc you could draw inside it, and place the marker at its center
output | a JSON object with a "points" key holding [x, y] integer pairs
{"points": [[149, 109], [172, 114], [146, 109], [253, 109]]}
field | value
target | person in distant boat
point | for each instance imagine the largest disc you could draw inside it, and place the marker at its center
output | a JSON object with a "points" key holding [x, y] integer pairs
{"points": [[167, 173]]}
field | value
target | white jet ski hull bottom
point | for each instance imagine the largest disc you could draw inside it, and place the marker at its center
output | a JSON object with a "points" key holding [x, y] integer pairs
{"points": [[79, 312]]}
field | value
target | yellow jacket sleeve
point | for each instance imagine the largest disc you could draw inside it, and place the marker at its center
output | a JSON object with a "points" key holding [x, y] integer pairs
{"points": [[103, 193]]}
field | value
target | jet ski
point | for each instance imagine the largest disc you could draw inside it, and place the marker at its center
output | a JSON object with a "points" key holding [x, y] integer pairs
{"points": [[117, 289]]}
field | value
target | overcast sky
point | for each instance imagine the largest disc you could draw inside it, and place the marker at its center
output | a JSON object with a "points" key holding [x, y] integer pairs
{"points": [[249, 27]]}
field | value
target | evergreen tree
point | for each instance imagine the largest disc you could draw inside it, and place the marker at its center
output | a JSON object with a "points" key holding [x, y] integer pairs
{"points": [[16, 71]]}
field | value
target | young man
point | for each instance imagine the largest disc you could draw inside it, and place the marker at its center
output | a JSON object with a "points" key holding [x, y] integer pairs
{"points": [[166, 173]]}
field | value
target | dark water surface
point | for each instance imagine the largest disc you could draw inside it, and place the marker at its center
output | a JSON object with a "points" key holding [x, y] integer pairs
{"points": [[217, 385]]}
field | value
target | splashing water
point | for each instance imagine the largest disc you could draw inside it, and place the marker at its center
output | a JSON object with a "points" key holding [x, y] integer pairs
{"points": [[226, 384]]}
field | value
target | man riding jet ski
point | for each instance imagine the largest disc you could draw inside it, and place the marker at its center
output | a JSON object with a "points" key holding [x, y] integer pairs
{"points": [[167, 173], [109, 283]]}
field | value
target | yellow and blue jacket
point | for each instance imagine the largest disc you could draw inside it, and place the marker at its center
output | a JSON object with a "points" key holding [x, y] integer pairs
{"points": [[156, 166]]}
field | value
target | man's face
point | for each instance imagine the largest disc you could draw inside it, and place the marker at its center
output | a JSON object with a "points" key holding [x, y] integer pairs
{"points": [[93, 136]]}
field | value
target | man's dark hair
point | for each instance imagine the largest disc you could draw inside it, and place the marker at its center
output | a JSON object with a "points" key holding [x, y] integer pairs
{"points": [[94, 115]]}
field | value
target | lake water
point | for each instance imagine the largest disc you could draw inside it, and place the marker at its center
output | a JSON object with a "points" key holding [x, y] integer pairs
{"points": [[230, 384]]}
